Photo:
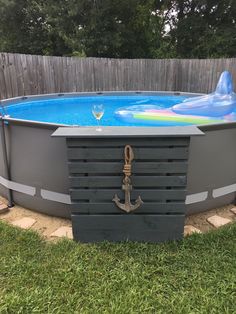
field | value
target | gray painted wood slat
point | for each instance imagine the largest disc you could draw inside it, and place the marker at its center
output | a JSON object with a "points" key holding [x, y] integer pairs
{"points": [[118, 153], [111, 208], [137, 181], [137, 167], [116, 228], [103, 142], [117, 132], [108, 194]]}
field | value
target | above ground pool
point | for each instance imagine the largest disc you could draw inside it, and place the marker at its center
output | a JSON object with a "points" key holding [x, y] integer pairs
{"points": [[37, 175], [144, 109]]}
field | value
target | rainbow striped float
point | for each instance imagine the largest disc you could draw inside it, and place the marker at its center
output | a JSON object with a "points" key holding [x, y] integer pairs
{"points": [[146, 114]]}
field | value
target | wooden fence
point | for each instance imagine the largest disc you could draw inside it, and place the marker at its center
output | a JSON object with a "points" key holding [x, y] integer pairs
{"points": [[29, 75]]}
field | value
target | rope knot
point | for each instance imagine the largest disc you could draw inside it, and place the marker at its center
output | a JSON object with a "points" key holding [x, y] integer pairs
{"points": [[129, 156], [127, 170]]}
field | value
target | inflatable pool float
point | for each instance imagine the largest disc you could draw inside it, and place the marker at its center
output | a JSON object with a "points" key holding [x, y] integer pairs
{"points": [[217, 104], [151, 114]]}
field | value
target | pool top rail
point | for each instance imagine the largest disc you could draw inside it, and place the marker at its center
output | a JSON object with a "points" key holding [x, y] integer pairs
{"points": [[117, 132]]}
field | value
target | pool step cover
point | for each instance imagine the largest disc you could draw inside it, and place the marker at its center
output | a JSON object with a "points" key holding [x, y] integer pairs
{"points": [[159, 171], [95, 217]]}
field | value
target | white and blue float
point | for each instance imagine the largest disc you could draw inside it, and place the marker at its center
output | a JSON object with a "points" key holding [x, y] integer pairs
{"points": [[211, 108]]}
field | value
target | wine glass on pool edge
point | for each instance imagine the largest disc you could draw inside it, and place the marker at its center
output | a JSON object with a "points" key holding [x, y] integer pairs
{"points": [[98, 112]]}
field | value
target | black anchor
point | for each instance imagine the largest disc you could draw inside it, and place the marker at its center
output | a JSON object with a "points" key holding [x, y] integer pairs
{"points": [[127, 187]]}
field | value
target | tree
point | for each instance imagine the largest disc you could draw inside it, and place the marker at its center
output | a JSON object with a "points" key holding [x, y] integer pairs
{"points": [[112, 28], [119, 28], [204, 28], [102, 28], [23, 26]]}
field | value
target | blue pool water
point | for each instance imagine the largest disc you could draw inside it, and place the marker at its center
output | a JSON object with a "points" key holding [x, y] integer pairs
{"points": [[78, 110]]}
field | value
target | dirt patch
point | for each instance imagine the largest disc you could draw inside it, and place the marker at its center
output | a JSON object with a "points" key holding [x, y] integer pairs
{"points": [[45, 224], [200, 220]]}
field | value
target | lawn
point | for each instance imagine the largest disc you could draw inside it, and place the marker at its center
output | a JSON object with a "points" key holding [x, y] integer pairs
{"points": [[196, 275]]}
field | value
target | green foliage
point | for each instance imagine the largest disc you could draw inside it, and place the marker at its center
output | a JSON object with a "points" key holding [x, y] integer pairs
{"points": [[196, 275], [23, 26], [119, 28], [205, 28]]}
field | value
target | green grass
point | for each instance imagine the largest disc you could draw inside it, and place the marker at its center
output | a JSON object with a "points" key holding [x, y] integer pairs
{"points": [[197, 275]]}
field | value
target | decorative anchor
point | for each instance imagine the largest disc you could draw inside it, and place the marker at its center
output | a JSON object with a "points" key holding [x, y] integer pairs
{"points": [[126, 186]]}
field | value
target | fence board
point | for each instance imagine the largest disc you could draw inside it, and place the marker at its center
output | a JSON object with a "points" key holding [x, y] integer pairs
{"points": [[28, 75]]}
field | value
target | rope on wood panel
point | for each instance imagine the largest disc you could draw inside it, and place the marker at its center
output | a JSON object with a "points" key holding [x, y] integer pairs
{"points": [[129, 156]]}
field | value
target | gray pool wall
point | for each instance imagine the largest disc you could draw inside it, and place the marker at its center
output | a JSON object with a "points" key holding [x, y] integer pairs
{"points": [[39, 175]]}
